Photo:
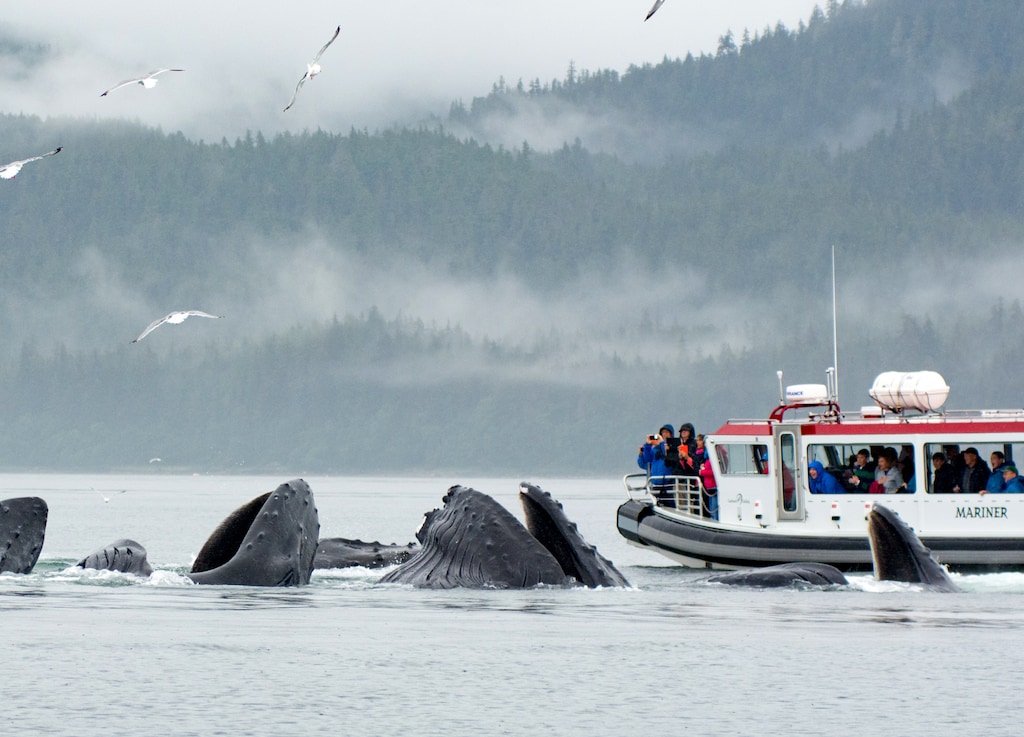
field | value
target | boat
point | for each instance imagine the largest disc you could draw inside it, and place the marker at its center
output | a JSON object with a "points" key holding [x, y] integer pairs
{"points": [[767, 514]]}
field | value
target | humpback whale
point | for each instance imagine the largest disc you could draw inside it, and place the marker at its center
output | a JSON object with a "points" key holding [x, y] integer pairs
{"points": [[22, 529], [340, 552], [270, 541], [785, 574], [899, 555], [896, 551], [125, 556], [474, 542], [547, 522]]}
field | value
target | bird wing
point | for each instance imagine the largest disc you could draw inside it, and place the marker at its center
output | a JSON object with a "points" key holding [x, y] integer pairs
{"points": [[9, 171], [654, 9], [149, 75], [151, 327], [324, 47], [119, 85], [200, 313], [296, 93]]}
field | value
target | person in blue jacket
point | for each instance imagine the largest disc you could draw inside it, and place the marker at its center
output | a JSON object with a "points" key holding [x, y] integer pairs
{"points": [[653, 458], [1014, 483], [821, 481], [996, 483]]}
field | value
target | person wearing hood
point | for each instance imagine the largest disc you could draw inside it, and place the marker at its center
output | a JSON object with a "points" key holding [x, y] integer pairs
{"points": [[821, 481], [653, 458], [689, 464]]}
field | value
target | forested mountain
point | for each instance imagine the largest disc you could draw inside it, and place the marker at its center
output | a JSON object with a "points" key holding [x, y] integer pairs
{"points": [[416, 300], [851, 71]]}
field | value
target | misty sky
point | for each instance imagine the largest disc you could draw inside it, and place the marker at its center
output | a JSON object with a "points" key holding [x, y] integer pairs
{"points": [[395, 61]]}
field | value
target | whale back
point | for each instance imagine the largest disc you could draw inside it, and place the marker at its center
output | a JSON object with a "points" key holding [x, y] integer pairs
{"points": [[474, 542], [124, 556]]}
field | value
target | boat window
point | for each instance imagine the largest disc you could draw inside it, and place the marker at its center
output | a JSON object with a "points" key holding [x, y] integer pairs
{"points": [[854, 465], [787, 448], [947, 467], [742, 459]]}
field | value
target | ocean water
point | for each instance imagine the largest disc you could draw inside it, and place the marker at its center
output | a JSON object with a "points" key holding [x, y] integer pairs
{"points": [[91, 653]]}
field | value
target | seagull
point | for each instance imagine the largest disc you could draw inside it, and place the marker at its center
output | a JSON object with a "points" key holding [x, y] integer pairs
{"points": [[654, 9], [149, 81], [106, 499], [10, 171], [174, 318], [313, 68]]}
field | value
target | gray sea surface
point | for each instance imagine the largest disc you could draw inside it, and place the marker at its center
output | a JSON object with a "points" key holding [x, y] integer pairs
{"points": [[99, 653]]}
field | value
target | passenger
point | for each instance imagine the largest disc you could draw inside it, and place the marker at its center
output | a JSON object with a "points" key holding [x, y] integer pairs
{"points": [[861, 472], [906, 466], [687, 461], [701, 452], [954, 459], [710, 495], [888, 478], [689, 436], [651, 458], [943, 475], [995, 483], [1014, 483], [975, 473], [821, 481], [672, 465]]}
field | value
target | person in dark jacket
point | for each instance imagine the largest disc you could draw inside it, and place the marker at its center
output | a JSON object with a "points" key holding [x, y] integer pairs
{"points": [[689, 466], [689, 436], [943, 475], [975, 473]]}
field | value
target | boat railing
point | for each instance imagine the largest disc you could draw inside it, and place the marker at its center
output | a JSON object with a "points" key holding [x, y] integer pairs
{"points": [[681, 493]]}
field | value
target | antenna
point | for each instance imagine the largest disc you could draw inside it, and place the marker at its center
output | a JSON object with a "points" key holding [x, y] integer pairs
{"points": [[835, 332], [782, 393]]}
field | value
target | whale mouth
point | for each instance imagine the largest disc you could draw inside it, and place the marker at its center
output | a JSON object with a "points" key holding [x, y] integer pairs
{"points": [[225, 541], [899, 555], [547, 530]]}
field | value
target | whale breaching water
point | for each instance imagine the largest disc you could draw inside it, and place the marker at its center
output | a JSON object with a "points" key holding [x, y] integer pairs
{"points": [[149, 81], [10, 171], [312, 69], [654, 9], [174, 318]]}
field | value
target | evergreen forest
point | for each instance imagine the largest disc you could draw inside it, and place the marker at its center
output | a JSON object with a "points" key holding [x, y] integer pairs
{"points": [[533, 282]]}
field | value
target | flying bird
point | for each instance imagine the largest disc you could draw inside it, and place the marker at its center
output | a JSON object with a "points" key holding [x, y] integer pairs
{"points": [[10, 171], [149, 81], [106, 499], [654, 9], [174, 318], [313, 68]]}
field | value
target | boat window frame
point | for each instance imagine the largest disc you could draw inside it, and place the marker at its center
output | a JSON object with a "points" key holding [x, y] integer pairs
{"points": [[753, 455], [844, 450], [791, 475], [985, 448]]}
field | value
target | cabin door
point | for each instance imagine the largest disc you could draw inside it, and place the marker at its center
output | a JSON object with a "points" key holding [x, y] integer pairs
{"points": [[789, 473]]}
